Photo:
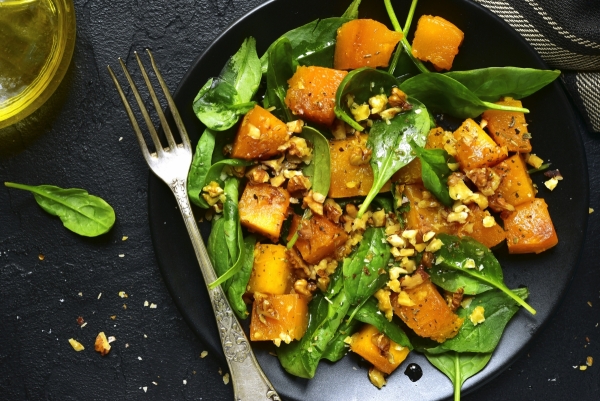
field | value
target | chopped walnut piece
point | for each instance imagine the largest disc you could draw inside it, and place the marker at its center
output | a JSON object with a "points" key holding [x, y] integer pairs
{"points": [[102, 345], [384, 304], [257, 175], [332, 210], [314, 201], [298, 184], [376, 377], [453, 299], [301, 287], [398, 99], [296, 260], [485, 179], [295, 126]]}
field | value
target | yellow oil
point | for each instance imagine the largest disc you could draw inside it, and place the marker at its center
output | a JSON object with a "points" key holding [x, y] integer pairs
{"points": [[36, 44]]}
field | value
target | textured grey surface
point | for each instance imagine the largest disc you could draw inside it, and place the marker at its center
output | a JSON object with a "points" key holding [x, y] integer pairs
{"points": [[75, 141]]}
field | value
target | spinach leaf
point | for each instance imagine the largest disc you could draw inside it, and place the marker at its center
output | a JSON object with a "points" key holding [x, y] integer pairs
{"points": [[366, 271], [319, 169], [442, 93], [352, 11], [390, 145], [369, 313], [384, 202], [218, 252], [459, 367], [337, 347], [471, 258], [400, 208], [221, 101], [361, 84], [301, 358], [215, 173], [80, 212], [239, 282], [452, 280], [490, 84], [499, 309], [435, 171], [282, 67], [200, 165]]}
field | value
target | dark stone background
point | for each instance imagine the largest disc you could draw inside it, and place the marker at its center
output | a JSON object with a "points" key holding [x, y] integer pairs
{"points": [[75, 141]]}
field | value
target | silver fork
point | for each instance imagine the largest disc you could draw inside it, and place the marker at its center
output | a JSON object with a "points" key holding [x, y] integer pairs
{"points": [[171, 164]]}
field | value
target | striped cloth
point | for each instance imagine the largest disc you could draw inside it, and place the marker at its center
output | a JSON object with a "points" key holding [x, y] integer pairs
{"points": [[566, 34]]}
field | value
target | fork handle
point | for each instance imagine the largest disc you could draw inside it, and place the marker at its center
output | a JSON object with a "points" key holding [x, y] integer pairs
{"points": [[249, 381]]}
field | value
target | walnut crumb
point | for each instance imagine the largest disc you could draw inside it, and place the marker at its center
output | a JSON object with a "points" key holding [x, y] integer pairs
{"points": [[203, 354], [77, 346], [102, 345]]}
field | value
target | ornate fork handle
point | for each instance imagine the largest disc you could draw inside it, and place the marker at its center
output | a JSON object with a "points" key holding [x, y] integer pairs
{"points": [[249, 382]]}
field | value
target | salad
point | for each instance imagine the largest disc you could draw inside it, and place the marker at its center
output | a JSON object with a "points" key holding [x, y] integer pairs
{"points": [[350, 216]]}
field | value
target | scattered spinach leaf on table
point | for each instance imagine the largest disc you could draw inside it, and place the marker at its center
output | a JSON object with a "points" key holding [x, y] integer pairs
{"points": [[390, 145], [222, 100], [80, 212], [435, 171]]}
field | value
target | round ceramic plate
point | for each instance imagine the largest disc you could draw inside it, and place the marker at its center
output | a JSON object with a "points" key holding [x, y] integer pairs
{"points": [[488, 42]]}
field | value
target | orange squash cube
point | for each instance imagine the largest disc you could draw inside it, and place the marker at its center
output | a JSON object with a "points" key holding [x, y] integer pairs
{"points": [[529, 228], [278, 317], [515, 186], [426, 213], [271, 272], [430, 316], [348, 178], [311, 93], [364, 43], [318, 238], [508, 128], [476, 228], [378, 349], [263, 208], [436, 40], [259, 135], [409, 174], [474, 148]]}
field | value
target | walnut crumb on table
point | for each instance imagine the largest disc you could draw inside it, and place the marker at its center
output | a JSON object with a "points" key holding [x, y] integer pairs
{"points": [[77, 346], [102, 344], [203, 354]]}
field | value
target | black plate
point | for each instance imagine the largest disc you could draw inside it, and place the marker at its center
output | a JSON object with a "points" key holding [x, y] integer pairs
{"points": [[488, 42]]}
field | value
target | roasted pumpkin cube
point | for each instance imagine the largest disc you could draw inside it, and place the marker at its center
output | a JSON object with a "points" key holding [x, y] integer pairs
{"points": [[429, 316], [364, 43], [529, 228], [436, 40], [271, 272], [482, 227], [475, 148], [311, 93], [436, 139], [409, 174], [508, 128], [515, 186], [278, 317], [259, 135], [378, 349], [350, 174], [263, 208], [318, 238], [426, 212]]}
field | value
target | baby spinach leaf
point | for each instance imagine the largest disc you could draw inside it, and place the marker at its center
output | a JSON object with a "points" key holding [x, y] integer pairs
{"points": [[218, 252], [490, 84], [361, 84], [471, 258], [301, 358], [390, 145], [366, 271], [369, 313], [435, 171], [200, 165], [281, 68], [442, 93], [452, 280], [384, 202], [215, 173], [352, 11], [459, 367], [337, 347], [239, 281], [499, 308], [319, 169], [80, 212], [221, 101]]}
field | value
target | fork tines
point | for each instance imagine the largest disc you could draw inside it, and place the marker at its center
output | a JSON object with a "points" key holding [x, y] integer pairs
{"points": [[165, 126]]}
